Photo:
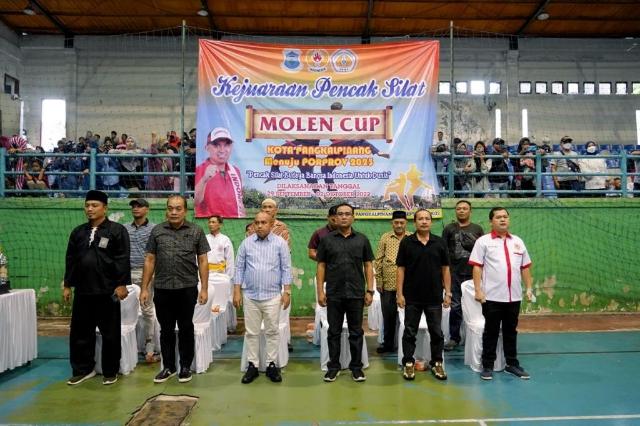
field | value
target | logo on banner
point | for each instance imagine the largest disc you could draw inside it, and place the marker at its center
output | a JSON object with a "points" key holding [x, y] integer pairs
{"points": [[344, 60], [318, 60], [291, 62]]}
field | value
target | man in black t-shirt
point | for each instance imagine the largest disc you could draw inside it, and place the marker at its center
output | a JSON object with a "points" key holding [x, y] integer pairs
{"points": [[459, 236], [423, 272]]}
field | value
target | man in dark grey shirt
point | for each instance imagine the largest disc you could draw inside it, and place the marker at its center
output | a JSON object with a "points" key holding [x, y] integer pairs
{"points": [[344, 260], [172, 250]]}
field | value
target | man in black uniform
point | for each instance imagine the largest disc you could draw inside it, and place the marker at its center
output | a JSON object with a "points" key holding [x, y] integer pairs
{"points": [[97, 265]]}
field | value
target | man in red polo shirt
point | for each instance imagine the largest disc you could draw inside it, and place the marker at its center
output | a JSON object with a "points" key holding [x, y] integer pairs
{"points": [[218, 183], [500, 263]]}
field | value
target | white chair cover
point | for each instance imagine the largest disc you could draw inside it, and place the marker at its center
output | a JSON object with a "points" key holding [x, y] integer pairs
{"points": [[345, 353], [128, 342], [374, 313], [141, 332], [18, 328], [423, 340], [219, 291], [320, 316], [474, 327], [284, 332]]}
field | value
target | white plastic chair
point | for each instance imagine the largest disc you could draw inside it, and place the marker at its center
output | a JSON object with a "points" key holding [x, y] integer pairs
{"points": [[141, 332], [219, 291], [320, 316], [345, 352], [284, 333], [423, 340], [474, 327], [374, 313], [128, 342]]}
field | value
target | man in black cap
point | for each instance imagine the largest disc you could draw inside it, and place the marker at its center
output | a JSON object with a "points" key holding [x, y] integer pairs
{"points": [[97, 265], [139, 231], [386, 270]]}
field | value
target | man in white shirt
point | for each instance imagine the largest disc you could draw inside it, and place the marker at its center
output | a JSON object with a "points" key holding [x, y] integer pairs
{"points": [[500, 263]]}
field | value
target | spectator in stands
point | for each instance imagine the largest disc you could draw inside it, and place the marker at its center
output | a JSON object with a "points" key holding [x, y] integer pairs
{"points": [[320, 233], [16, 145], [109, 164], [636, 178], [565, 165], [35, 177], [345, 263], [462, 166], [459, 236], [441, 155], [547, 181], [500, 264], [270, 207], [386, 273], [525, 164], [131, 164], [263, 276], [423, 274], [594, 165], [97, 266], [158, 165], [499, 165], [189, 147], [481, 167]]}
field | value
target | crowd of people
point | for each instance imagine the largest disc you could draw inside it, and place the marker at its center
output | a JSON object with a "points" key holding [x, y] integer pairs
{"points": [[177, 266], [68, 176], [514, 174]]}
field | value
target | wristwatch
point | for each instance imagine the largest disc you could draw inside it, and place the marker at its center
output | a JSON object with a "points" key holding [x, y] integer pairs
{"points": [[448, 294], [371, 292]]}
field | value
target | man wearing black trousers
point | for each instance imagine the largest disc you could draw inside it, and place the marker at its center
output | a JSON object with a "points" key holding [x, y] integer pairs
{"points": [[97, 266], [423, 272], [345, 261], [177, 253], [386, 270]]}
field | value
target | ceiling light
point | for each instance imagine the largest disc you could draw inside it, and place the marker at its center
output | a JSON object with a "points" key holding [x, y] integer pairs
{"points": [[29, 10], [542, 16], [202, 12]]}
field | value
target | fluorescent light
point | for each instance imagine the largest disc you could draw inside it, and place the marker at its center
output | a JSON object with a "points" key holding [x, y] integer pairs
{"points": [[542, 16], [498, 123], [202, 12], [525, 123], [28, 10]]}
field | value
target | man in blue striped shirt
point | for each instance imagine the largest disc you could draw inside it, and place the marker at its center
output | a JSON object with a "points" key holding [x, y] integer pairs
{"points": [[263, 271]]}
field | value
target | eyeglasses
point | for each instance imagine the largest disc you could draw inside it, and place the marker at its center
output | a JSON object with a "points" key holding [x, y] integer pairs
{"points": [[343, 214]]}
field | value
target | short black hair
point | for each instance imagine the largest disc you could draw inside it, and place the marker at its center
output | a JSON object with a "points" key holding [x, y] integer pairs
{"points": [[415, 215], [496, 209], [332, 211], [218, 218], [184, 200], [464, 201], [345, 205]]}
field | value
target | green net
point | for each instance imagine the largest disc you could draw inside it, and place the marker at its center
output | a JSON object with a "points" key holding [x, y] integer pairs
{"points": [[584, 252]]}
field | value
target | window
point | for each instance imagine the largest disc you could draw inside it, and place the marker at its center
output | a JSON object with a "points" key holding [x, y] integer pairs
{"points": [[635, 88], [54, 123], [11, 85], [444, 88], [604, 88], [621, 88], [541, 87], [495, 87], [525, 123], [573, 88], [589, 88], [477, 87], [498, 123], [557, 87], [461, 86], [525, 87]]}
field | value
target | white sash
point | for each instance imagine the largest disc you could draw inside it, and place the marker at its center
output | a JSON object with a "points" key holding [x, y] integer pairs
{"points": [[237, 189]]}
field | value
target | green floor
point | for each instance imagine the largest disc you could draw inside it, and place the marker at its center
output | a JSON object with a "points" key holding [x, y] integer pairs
{"points": [[577, 378]]}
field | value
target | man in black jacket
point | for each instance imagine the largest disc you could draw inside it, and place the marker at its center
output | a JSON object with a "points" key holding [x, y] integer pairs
{"points": [[97, 265]]}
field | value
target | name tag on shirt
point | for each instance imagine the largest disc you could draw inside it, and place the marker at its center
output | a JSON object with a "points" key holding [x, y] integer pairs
{"points": [[104, 242]]}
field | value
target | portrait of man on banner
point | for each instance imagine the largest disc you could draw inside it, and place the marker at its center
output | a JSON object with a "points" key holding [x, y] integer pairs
{"points": [[218, 183]]}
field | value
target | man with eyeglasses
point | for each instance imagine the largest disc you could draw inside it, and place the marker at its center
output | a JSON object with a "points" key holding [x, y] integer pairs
{"points": [[345, 262]]}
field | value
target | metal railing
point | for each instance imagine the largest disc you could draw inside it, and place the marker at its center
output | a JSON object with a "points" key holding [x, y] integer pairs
{"points": [[89, 177]]}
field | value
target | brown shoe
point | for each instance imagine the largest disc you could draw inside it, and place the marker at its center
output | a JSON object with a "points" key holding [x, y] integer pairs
{"points": [[437, 369], [151, 357]]}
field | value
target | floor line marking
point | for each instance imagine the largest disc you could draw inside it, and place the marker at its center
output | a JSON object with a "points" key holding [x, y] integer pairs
{"points": [[483, 422]]}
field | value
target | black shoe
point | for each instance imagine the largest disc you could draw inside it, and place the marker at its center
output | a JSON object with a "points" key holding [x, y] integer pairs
{"points": [[164, 375], [450, 345], [273, 373], [383, 349], [109, 380], [79, 378], [185, 375], [331, 375], [486, 374], [357, 375], [251, 374], [517, 371]]}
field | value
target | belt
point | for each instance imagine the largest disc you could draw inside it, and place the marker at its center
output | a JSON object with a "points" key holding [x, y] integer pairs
{"points": [[218, 267]]}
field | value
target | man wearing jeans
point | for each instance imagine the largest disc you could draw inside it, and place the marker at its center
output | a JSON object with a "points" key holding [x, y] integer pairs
{"points": [[500, 263], [344, 261], [423, 272], [263, 271]]}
